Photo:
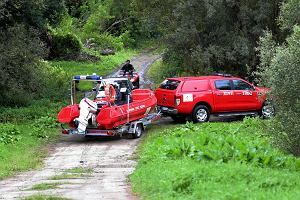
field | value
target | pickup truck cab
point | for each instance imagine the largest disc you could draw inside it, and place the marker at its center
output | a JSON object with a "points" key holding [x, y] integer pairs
{"points": [[221, 95]]}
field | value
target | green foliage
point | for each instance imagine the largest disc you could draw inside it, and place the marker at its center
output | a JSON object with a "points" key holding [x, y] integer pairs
{"points": [[99, 13], [41, 125], [205, 36], [30, 12], [289, 14], [187, 179], [127, 39], [20, 70], [55, 86], [36, 110], [282, 73], [25, 153], [219, 143], [65, 46], [103, 67], [215, 161], [161, 70], [9, 133], [106, 41]]}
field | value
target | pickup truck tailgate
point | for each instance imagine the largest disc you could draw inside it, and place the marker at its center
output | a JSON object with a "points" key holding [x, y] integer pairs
{"points": [[166, 93], [165, 97]]}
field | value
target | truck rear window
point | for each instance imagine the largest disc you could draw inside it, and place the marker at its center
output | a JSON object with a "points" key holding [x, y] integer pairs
{"points": [[169, 85]]}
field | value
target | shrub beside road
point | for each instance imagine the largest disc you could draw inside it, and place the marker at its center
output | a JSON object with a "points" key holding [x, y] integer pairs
{"points": [[215, 161]]}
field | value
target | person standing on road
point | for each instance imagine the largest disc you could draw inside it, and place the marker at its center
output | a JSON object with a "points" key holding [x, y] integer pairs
{"points": [[127, 67]]}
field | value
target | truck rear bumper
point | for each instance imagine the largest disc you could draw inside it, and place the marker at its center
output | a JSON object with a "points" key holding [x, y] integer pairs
{"points": [[168, 110]]}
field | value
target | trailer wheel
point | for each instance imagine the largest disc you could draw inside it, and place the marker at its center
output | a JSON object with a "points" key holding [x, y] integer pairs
{"points": [[138, 131]]}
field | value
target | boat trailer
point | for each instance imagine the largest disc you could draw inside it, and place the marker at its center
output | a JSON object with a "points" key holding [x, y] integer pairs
{"points": [[134, 128]]}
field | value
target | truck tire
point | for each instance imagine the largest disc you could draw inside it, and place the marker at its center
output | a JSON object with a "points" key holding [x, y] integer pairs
{"points": [[200, 114], [267, 110], [138, 131]]}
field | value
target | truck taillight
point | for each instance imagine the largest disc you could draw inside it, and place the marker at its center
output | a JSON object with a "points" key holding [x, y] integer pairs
{"points": [[177, 101]]}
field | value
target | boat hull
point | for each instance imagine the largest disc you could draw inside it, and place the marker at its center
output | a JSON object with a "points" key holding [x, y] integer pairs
{"points": [[111, 117]]}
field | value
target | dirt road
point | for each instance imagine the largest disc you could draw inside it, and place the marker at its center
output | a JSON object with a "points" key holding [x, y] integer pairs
{"points": [[83, 168]]}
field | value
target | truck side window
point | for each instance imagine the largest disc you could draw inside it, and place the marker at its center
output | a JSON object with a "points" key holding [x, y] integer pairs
{"points": [[241, 85], [223, 85]]}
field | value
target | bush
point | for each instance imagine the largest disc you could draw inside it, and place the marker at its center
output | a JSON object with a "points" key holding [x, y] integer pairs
{"points": [[65, 46], [20, 67], [41, 126], [126, 39], [56, 85], [281, 72], [9, 133], [36, 110], [106, 41]]}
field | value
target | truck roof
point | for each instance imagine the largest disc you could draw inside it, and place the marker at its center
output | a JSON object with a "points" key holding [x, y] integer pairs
{"points": [[201, 78]]}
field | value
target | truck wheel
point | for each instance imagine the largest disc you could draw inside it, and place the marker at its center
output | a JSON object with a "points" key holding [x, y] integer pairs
{"points": [[267, 111], [200, 114], [138, 131]]}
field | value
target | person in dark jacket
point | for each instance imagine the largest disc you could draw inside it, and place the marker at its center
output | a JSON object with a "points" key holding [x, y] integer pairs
{"points": [[127, 67]]}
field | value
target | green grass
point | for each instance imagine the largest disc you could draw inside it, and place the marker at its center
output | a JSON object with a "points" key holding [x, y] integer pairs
{"points": [[102, 67], [45, 186], [45, 197], [215, 161], [66, 176], [27, 153], [189, 179], [155, 74], [74, 173], [80, 170]]}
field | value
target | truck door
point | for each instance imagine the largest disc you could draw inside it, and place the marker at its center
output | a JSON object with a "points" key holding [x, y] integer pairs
{"points": [[245, 96], [223, 96]]}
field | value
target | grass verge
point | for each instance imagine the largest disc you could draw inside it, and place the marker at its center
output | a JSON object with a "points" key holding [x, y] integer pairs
{"points": [[155, 72], [102, 67], [215, 161], [26, 153]]}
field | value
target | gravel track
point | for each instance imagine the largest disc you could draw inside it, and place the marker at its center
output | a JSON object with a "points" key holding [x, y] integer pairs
{"points": [[108, 158]]}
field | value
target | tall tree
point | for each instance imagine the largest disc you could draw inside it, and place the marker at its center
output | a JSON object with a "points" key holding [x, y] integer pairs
{"points": [[212, 35]]}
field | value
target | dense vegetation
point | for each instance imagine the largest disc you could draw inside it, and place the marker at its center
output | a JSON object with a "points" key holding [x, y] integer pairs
{"points": [[279, 69], [215, 161], [206, 36], [33, 31]]}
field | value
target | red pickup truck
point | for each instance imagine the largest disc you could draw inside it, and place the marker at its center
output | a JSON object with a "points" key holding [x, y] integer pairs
{"points": [[220, 95]]}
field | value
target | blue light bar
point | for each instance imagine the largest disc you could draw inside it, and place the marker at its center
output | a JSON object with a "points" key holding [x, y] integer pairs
{"points": [[88, 77]]}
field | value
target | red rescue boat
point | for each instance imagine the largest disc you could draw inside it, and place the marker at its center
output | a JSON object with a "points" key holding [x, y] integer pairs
{"points": [[113, 107]]}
